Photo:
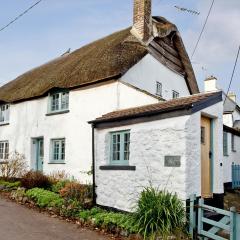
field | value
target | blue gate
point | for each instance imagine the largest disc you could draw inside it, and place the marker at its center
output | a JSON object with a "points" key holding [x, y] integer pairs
{"points": [[235, 176], [228, 223]]}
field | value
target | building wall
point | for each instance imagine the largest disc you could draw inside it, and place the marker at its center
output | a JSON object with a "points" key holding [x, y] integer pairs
{"points": [[194, 149], [150, 142], [233, 157], [148, 71], [28, 120]]}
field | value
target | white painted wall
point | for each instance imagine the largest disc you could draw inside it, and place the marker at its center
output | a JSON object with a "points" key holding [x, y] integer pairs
{"points": [[228, 119], [28, 120], [150, 142], [193, 179], [148, 71]]}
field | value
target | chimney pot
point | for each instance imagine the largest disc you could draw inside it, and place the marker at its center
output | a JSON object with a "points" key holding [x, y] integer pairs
{"points": [[232, 96], [210, 84], [142, 20]]}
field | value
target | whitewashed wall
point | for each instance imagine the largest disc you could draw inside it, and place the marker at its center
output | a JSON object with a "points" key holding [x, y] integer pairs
{"points": [[233, 157], [28, 120], [150, 142], [148, 71], [193, 179]]}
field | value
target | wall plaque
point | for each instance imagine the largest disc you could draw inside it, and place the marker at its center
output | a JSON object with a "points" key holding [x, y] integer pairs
{"points": [[172, 161]]}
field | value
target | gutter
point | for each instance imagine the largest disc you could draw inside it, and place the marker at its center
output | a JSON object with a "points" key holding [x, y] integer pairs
{"points": [[93, 167]]}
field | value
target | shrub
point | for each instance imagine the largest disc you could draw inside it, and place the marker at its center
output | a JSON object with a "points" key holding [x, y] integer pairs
{"points": [[57, 176], [76, 191], [59, 185], [34, 179], [158, 213], [70, 208], [45, 198], [10, 185], [14, 167]]}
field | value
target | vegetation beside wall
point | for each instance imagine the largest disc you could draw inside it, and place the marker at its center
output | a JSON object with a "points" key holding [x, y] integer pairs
{"points": [[158, 213]]}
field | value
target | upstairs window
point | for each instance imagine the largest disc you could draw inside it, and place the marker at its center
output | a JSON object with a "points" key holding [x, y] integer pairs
{"points": [[225, 143], [4, 150], [58, 150], [158, 89], [59, 102], [175, 94], [233, 143], [120, 148], [4, 113]]}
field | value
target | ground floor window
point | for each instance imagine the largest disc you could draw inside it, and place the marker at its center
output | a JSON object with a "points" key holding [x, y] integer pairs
{"points": [[4, 150], [58, 149], [120, 148]]}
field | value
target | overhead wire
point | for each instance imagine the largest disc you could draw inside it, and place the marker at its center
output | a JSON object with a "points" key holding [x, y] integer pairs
{"points": [[234, 68], [19, 16], [204, 25]]}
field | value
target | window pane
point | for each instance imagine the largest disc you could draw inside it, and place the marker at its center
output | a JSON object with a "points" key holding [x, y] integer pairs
{"points": [[4, 113], [65, 101], [126, 146], [202, 135], [56, 149], [116, 147], [159, 89], [4, 150], [225, 143], [55, 102], [63, 150]]}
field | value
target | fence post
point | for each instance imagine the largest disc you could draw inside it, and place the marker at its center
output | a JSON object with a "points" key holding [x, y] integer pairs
{"points": [[200, 215], [192, 217], [233, 223]]}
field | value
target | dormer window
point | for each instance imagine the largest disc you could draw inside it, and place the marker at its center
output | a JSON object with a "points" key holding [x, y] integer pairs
{"points": [[58, 102], [4, 113], [158, 89], [175, 94]]}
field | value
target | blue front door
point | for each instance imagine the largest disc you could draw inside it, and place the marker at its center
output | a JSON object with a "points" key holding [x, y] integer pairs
{"points": [[39, 154]]}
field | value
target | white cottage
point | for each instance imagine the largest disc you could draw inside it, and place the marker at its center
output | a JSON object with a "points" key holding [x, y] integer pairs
{"points": [[44, 112], [174, 145], [231, 131]]}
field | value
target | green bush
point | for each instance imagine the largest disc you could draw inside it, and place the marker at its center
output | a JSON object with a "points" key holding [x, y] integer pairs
{"points": [[70, 209], [58, 186], [35, 179], [158, 213], [10, 185], [45, 198]]}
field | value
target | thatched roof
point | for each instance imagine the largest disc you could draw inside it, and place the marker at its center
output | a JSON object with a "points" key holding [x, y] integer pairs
{"points": [[107, 58]]}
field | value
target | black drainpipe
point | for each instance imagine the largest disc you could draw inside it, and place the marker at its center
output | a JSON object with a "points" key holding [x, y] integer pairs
{"points": [[93, 166]]}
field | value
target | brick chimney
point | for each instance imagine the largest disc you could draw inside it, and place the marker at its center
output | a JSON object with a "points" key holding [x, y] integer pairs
{"points": [[142, 20], [232, 96], [210, 84]]}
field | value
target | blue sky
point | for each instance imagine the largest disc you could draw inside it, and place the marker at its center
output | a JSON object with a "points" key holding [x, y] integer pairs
{"points": [[56, 25]]}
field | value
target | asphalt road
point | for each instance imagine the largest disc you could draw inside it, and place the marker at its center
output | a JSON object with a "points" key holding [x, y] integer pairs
{"points": [[20, 223]]}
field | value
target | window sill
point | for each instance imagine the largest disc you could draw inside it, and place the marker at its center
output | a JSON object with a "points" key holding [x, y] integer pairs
{"points": [[56, 113], [57, 162], [4, 124], [117, 167]]}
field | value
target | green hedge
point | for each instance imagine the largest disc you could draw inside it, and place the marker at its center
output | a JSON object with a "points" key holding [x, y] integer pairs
{"points": [[45, 198]]}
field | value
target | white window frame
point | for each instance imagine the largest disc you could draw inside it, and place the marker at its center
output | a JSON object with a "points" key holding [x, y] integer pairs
{"points": [[63, 105], [159, 89], [4, 150], [4, 113], [61, 152], [175, 94]]}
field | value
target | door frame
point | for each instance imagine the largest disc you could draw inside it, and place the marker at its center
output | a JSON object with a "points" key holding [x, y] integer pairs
{"points": [[212, 148], [35, 152]]}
